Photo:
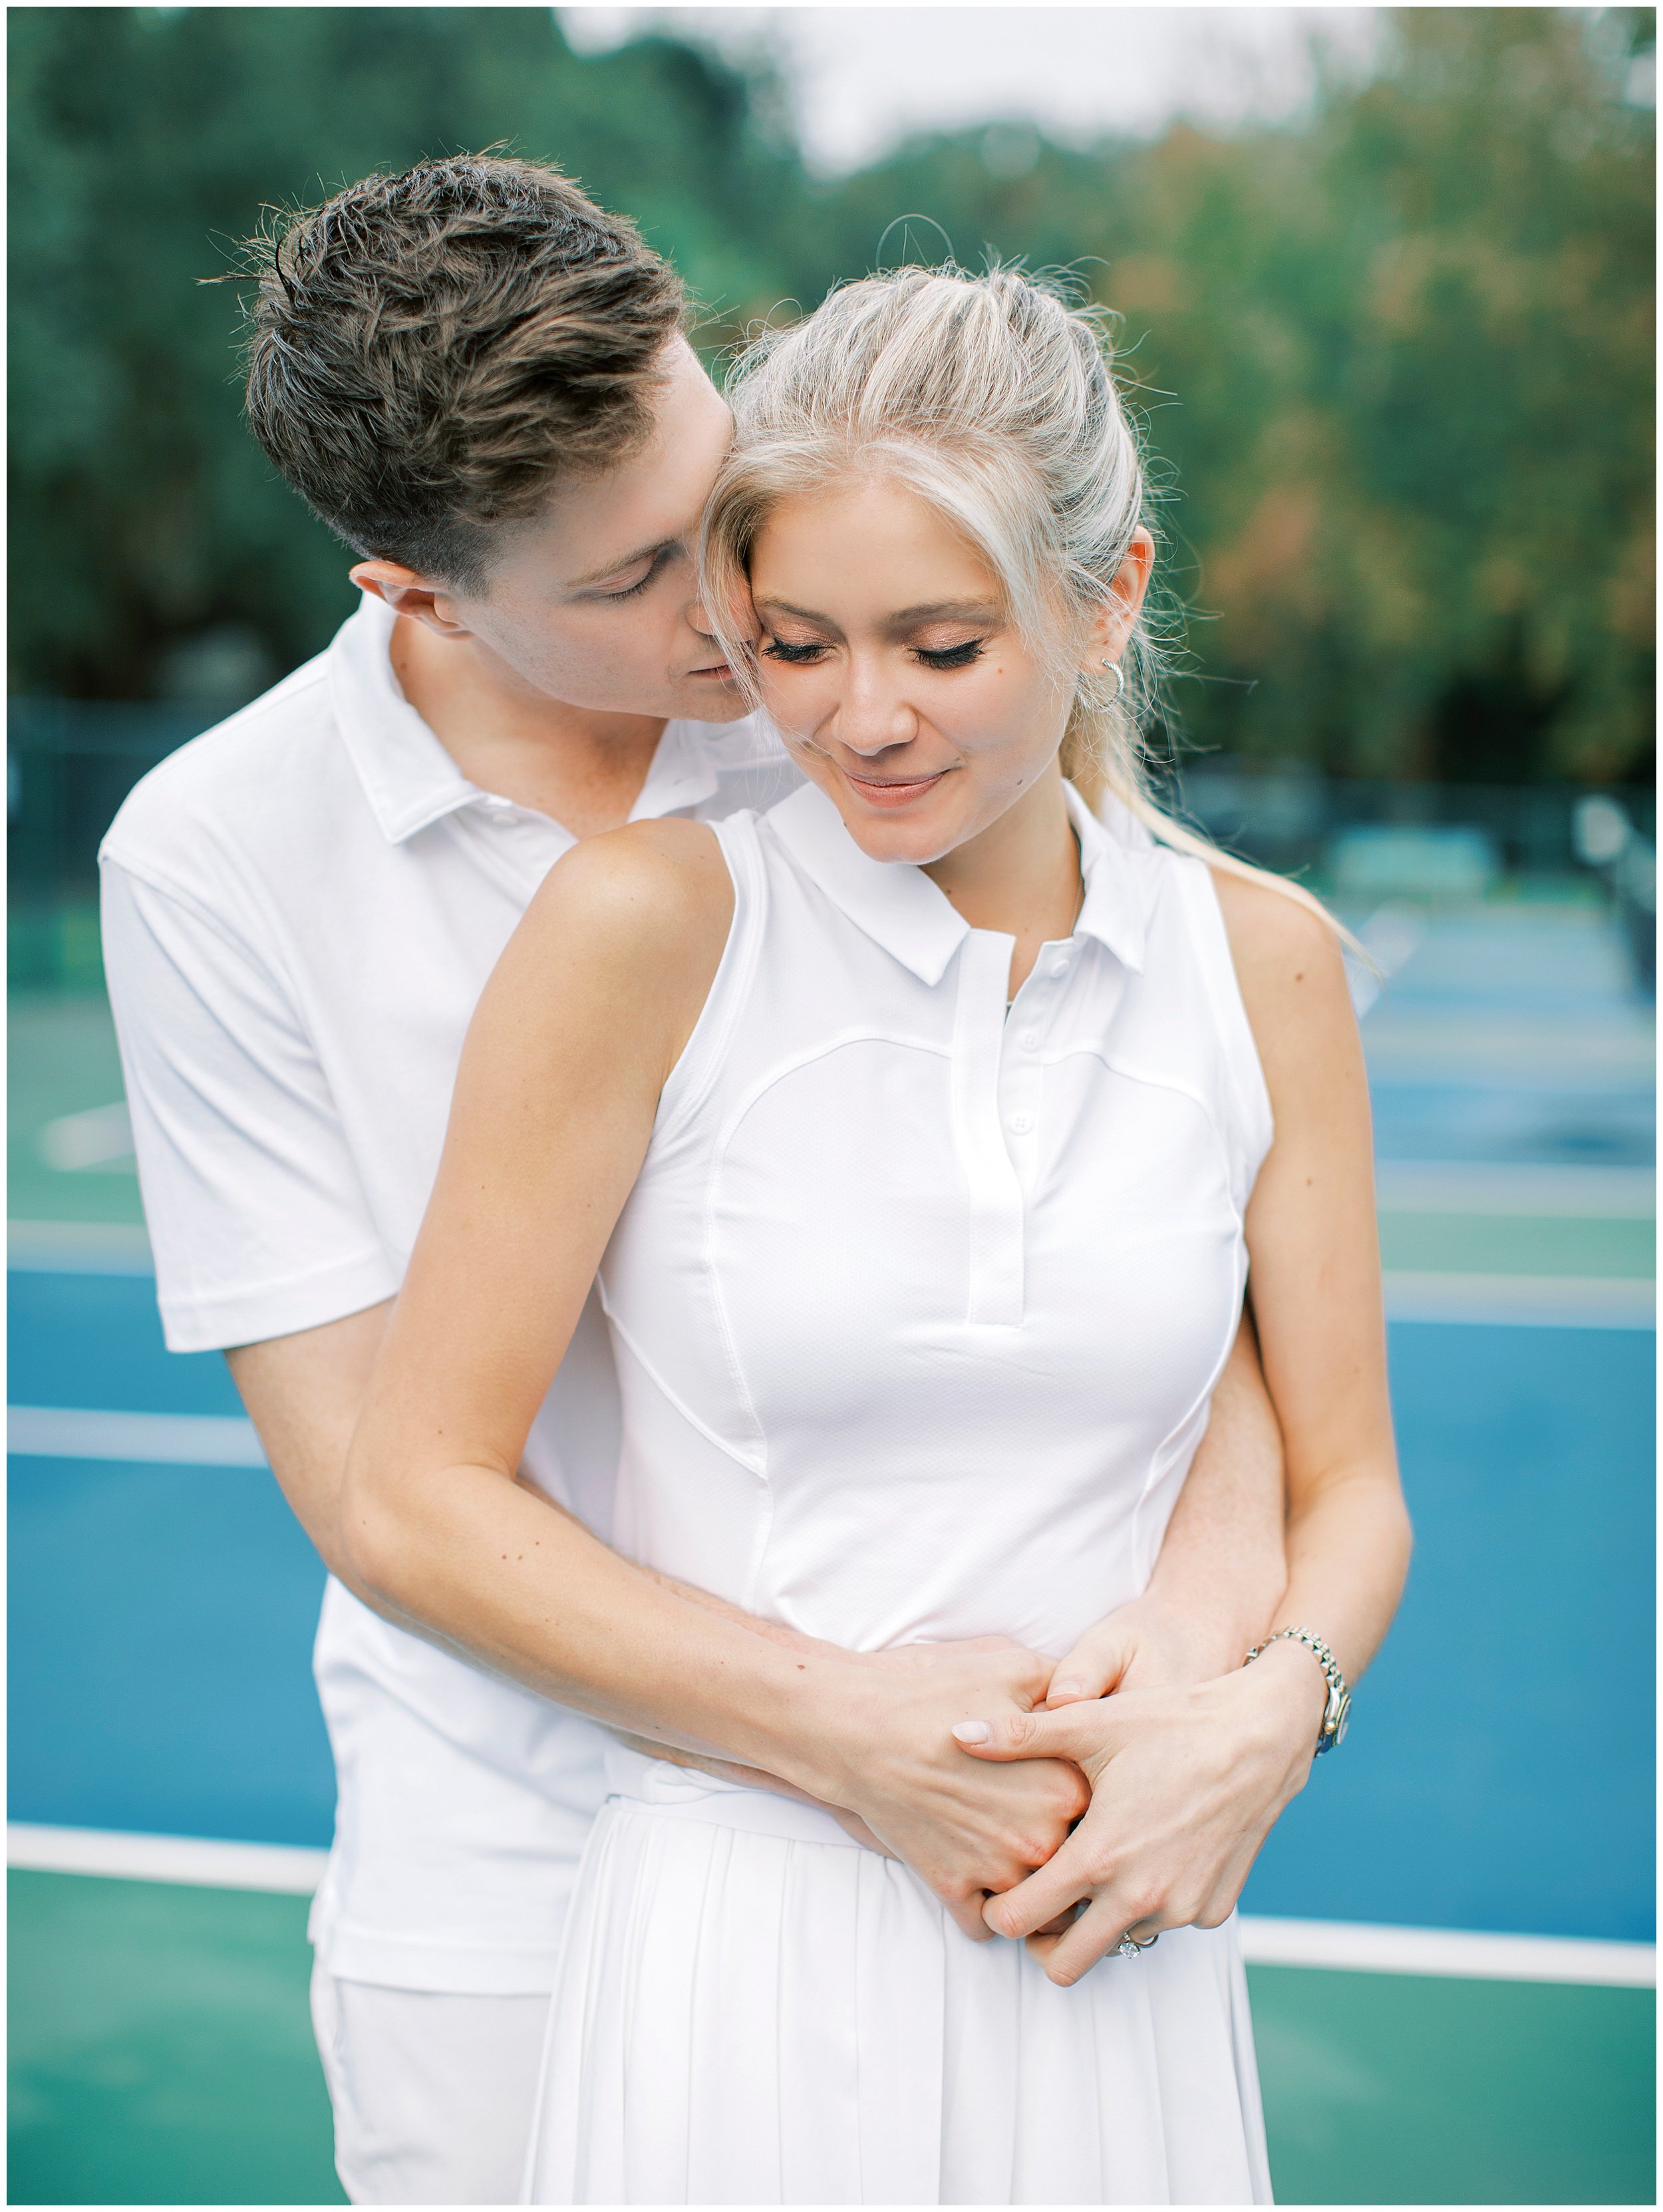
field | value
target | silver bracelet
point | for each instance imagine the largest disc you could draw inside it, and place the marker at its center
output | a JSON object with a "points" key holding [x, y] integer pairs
{"points": [[1337, 1712]]}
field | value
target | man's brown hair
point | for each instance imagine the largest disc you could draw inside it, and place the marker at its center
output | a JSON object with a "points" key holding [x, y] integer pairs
{"points": [[428, 352]]}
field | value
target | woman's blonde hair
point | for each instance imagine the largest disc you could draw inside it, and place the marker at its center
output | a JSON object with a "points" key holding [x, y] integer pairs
{"points": [[993, 400]]}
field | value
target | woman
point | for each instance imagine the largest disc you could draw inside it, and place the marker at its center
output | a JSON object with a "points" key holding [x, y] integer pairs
{"points": [[922, 1175]]}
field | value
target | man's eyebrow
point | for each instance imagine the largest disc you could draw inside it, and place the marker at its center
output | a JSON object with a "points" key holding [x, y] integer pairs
{"points": [[617, 567]]}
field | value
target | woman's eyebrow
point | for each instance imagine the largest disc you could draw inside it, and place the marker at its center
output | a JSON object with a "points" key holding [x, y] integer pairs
{"points": [[941, 610], [803, 614], [947, 610]]}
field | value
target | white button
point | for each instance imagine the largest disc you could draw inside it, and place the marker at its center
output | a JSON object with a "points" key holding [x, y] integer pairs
{"points": [[1059, 966], [1028, 1039], [1022, 1123]]}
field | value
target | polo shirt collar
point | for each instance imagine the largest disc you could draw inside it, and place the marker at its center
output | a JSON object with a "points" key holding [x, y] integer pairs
{"points": [[411, 782], [900, 908], [408, 777]]}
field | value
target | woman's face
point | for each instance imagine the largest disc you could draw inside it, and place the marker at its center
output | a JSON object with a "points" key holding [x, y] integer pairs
{"points": [[889, 664]]}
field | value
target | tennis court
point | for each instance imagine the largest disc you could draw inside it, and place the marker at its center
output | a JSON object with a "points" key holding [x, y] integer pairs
{"points": [[1449, 1930]]}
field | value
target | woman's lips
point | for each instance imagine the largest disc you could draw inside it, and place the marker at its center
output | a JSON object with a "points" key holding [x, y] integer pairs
{"points": [[892, 791]]}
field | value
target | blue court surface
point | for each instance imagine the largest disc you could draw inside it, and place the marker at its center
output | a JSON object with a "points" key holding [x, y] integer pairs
{"points": [[162, 1617], [1498, 1775]]}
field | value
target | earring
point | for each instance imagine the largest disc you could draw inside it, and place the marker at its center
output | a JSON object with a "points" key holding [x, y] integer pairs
{"points": [[1113, 667]]}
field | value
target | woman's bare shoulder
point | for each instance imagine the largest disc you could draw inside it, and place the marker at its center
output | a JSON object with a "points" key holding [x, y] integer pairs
{"points": [[1288, 962], [635, 919], [1274, 937], [640, 888]]}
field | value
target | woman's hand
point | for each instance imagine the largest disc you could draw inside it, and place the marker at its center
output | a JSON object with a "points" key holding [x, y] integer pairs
{"points": [[1186, 1784], [903, 1774]]}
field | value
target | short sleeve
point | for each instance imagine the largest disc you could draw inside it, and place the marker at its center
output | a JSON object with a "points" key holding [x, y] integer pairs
{"points": [[257, 1218]]}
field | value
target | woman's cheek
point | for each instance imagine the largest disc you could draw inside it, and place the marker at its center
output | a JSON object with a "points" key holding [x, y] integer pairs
{"points": [[796, 705]]}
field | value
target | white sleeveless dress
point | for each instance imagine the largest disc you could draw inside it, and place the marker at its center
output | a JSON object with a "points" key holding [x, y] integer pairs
{"points": [[917, 1308]]}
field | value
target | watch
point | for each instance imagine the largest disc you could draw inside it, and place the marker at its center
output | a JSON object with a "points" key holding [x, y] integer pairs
{"points": [[1337, 1713]]}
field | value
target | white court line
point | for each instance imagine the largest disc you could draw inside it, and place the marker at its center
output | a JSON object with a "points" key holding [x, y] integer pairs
{"points": [[165, 1439], [1361, 1946], [192, 1859], [79, 1248], [1350, 1945], [1522, 1301]]}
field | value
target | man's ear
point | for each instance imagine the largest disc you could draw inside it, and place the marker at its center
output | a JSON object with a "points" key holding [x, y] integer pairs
{"points": [[408, 594]]}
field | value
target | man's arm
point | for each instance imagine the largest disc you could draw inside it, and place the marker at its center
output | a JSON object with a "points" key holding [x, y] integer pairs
{"points": [[304, 1393]]}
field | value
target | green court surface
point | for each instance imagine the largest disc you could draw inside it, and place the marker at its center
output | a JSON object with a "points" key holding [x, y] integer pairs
{"points": [[61, 1060], [1517, 1244], [161, 2053]]}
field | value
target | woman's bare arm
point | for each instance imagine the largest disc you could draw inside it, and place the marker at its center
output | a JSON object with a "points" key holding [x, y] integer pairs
{"points": [[1188, 1783]]}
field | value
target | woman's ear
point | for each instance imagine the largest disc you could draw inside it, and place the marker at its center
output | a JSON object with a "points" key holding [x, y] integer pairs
{"points": [[1111, 625], [408, 594]]}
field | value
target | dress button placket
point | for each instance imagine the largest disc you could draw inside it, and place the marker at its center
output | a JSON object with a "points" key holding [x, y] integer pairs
{"points": [[1022, 1072], [984, 1148]]}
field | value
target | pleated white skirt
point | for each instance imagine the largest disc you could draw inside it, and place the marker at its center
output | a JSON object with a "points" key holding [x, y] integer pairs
{"points": [[750, 2009]]}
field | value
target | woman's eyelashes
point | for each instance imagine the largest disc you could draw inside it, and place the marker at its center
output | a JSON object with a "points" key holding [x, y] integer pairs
{"points": [[951, 656], [940, 657]]}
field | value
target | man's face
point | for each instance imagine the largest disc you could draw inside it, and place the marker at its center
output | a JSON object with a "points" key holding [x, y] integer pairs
{"points": [[593, 603]]}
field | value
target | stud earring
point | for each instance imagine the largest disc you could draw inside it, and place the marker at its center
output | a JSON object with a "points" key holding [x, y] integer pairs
{"points": [[1113, 667]]}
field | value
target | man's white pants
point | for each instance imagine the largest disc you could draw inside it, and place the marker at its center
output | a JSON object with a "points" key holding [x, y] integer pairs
{"points": [[433, 2093]]}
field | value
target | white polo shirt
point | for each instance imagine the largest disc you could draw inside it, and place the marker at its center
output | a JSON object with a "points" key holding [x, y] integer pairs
{"points": [[301, 909]]}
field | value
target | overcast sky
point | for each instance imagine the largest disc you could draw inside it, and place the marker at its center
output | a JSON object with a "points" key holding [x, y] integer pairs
{"points": [[864, 78]]}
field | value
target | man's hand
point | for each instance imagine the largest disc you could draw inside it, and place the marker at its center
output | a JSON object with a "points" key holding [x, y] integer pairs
{"points": [[1186, 1784], [1145, 1644]]}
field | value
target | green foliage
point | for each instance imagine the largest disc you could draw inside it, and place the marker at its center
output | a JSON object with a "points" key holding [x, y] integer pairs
{"points": [[1395, 363]]}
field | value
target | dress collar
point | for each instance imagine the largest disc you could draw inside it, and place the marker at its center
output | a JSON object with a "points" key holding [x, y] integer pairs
{"points": [[899, 908]]}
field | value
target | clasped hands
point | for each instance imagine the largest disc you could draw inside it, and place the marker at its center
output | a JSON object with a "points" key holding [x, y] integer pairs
{"points": [[1066, 1802]]}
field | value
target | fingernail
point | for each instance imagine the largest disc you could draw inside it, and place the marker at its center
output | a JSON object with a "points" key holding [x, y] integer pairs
{"points": [[973, 1732], [1068, 1687]]}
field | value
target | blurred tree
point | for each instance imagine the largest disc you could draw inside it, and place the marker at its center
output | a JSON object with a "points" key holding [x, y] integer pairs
{"points": [[144, 144], [1396, 362]]}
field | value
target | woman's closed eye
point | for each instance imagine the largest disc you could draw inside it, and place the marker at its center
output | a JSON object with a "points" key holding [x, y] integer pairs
{"points": [[951, 656], [938, 657]]}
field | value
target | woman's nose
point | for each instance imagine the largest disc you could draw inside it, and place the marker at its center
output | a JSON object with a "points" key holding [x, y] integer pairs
{"points": [[872, 716]]}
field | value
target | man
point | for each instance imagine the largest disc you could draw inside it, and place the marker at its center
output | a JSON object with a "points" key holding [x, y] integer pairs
{"points": [[479, 380]]}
